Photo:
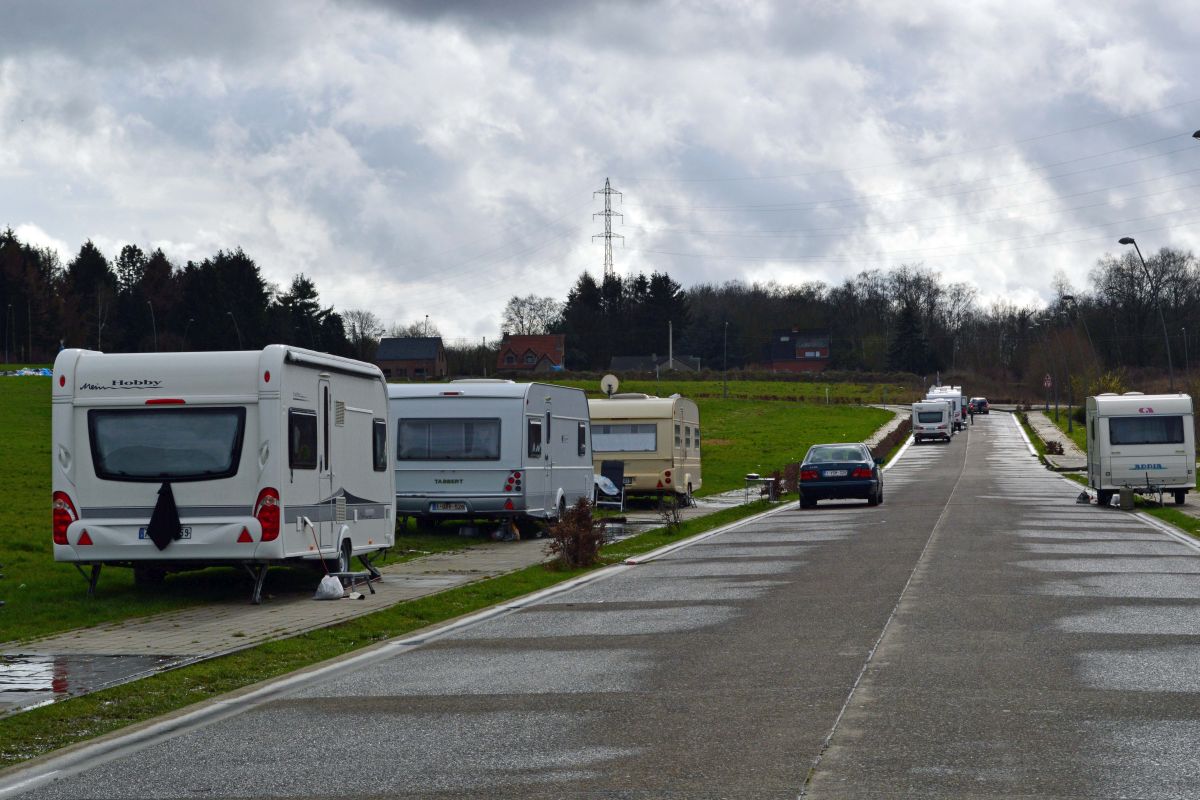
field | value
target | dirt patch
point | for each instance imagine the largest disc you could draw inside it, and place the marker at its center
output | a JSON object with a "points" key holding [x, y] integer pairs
{"points": [[711, 442]]}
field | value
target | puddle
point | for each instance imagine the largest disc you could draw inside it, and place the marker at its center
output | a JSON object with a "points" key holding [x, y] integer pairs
{"points": [[27, 681]]}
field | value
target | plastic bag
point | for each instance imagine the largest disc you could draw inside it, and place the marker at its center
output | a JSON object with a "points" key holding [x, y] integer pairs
{"points": [[330, 588]]}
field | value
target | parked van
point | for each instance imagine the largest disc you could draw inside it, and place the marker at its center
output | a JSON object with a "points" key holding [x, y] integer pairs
{"points": [[165, 461], [490, 449], [932, 419], [1141, 441], [657, 438]]}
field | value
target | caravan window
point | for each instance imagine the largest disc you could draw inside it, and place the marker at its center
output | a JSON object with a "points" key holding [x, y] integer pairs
{"points": [[535, 437], [625, 438], [161, 444], [582, 439], [930, 416], [448, 440], [379, 445], [302, 439], [1145, 430], [678, 439]]}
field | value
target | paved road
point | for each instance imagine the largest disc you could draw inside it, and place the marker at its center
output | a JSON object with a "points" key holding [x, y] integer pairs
{"points": [[977, 636]]}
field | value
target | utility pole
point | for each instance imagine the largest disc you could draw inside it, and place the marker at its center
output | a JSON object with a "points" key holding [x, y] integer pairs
{"points": [[608, 214]]}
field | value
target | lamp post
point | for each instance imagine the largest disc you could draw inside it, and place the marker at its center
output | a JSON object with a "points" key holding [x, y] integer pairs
{"points": [[426, 325], [6, 333], [1070, 298], [1157, 302], [153, 325], [236, 329], [1185, 353], [186, 328]]}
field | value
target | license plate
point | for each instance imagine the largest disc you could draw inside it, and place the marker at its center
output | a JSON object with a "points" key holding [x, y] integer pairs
{"points": [[447, 506], [627, 481], [184, 533], [835, 473]]}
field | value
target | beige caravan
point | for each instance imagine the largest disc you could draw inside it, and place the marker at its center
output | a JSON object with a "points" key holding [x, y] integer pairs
{"points": [[657, 438]]}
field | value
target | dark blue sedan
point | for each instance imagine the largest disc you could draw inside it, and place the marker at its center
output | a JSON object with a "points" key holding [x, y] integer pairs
{"points": [[839, 472]]}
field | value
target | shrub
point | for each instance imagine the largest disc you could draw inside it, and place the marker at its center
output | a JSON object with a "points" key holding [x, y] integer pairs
{"points": [[576, 539]]}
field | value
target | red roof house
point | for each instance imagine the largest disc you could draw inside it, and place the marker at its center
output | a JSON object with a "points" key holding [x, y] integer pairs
{"points": [[532, 353]]}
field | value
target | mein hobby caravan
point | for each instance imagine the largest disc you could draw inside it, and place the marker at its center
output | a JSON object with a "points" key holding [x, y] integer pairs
{"points": [[931, 420], [657, 438], [167, 461], [490, 449], [1140, 441]]}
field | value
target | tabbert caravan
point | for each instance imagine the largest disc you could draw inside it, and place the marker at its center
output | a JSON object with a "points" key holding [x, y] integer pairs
{"points": [[657, 438], [489, 449], [1140, 441], [165, 461], [931, 420]]}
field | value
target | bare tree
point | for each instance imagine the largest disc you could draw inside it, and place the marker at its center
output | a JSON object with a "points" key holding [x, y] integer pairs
{"points": [[531, 315], [363, 329], [415, 329]]}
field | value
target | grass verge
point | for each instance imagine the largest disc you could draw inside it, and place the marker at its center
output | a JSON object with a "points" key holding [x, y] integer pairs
{"points": [[42, 730], [1034, 439]]}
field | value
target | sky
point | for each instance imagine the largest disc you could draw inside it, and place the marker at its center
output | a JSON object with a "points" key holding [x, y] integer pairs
{"points": [[437, 157]]}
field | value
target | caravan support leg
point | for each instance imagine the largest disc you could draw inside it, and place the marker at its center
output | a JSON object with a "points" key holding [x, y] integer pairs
{"points": [[259, 573], [95, 576], [365, 560]]}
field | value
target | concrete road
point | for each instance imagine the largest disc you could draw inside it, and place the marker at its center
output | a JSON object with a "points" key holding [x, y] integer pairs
{"points": [[977, 636]]}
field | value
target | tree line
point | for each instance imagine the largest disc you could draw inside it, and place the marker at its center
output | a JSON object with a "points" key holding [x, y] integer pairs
{"points": [[907, 319], [141, 301]]}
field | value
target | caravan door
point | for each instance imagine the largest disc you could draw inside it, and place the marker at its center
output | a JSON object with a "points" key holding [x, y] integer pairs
{"points": [[537, 471], [325, 466]]}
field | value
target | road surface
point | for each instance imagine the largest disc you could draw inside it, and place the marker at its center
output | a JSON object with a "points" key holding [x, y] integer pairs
{"points": [[979, 635]]}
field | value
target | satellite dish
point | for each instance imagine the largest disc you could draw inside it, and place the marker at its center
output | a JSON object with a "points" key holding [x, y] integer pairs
{"points": [[608, 384]]}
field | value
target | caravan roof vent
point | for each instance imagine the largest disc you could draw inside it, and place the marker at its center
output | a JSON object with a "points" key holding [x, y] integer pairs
{"points": [[481, 380], [1107, 394], [1134, 394], [630, 396]]}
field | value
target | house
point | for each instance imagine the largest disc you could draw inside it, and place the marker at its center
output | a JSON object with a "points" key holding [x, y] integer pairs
{"points": [[412, 358], [798, 350], [541, 353], [654, 364]]}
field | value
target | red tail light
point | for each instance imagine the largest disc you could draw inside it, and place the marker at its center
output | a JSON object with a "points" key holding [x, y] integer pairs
{"points": [[808, 474], [860, 472], [245, 538], [165, 401], [508, 505], [64, 515], [513, 484], [266, 510], [667, 474]]}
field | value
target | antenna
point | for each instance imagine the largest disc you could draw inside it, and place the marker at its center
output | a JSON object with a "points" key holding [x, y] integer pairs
{"points": [[608, 214]]}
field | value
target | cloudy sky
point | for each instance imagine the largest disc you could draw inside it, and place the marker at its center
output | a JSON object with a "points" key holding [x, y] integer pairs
{"points": [[437, 157]]}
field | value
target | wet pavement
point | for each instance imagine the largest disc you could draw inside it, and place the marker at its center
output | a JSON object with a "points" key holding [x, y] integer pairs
{"points": [[81, 661], [977, 636]]}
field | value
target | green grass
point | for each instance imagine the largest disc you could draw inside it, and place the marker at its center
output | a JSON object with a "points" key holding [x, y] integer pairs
{"points": [[794, 391], [1079, 433], [1034, 439], [744, 436], [43, 730]]}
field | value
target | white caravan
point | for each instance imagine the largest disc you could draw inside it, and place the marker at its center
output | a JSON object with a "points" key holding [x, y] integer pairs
{"points": [[1145, 442], [166, 461], [932, 419], [490, 449], [955, 396]]}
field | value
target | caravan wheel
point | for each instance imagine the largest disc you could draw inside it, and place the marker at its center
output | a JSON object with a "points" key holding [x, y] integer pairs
{"points": [[342, 562], [562, 508]]}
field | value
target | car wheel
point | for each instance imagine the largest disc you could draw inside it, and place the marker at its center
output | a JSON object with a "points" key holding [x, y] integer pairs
{"points": [[1180, 497], [806, 503], [873, 499], [1103, 497]]}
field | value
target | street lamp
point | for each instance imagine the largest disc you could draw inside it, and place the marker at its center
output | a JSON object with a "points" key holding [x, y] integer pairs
{"points": [[153, 325], [1185, 353], [186, 328], [725, 364], [1166, 340], [236, 329], [1069, 298], [426, 325]]}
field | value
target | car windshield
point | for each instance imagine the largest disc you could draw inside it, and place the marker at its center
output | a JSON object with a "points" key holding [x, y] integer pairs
{"points": [[835, 452]]}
